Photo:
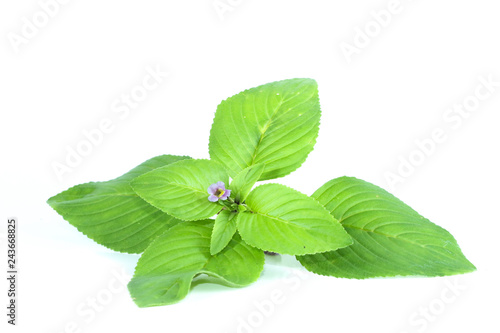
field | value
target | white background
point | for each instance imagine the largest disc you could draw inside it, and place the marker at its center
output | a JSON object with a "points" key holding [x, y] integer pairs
{"points": [[64, 79]]}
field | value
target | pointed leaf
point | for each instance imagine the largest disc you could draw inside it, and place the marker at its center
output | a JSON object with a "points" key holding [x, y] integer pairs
{"points": [[112, 214], [224, 229], [390, 238], [180, 189], [286, 221], [166, 269], [243, 182], [276, 124]]}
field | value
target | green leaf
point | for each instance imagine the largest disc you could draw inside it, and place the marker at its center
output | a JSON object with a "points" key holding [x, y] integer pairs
{"points": [[244, 181], [390, 238], [224, 229], [112, 214], [286, 221], [166, 269], [180, 189], [276, 124]]}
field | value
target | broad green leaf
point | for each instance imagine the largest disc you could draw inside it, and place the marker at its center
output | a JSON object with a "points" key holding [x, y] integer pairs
{"points": [[390, 238], [166, 269], [112, 214], [288, 222], [244, 181], [180, 189], [276, 124], [224, 229]]}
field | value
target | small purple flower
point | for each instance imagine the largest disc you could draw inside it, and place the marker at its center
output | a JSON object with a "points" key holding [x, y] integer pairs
{"points": [[218, 191]]}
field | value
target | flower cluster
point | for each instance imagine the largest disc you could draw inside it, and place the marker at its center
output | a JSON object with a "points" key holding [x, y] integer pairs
{"points": [[218, 191]]}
